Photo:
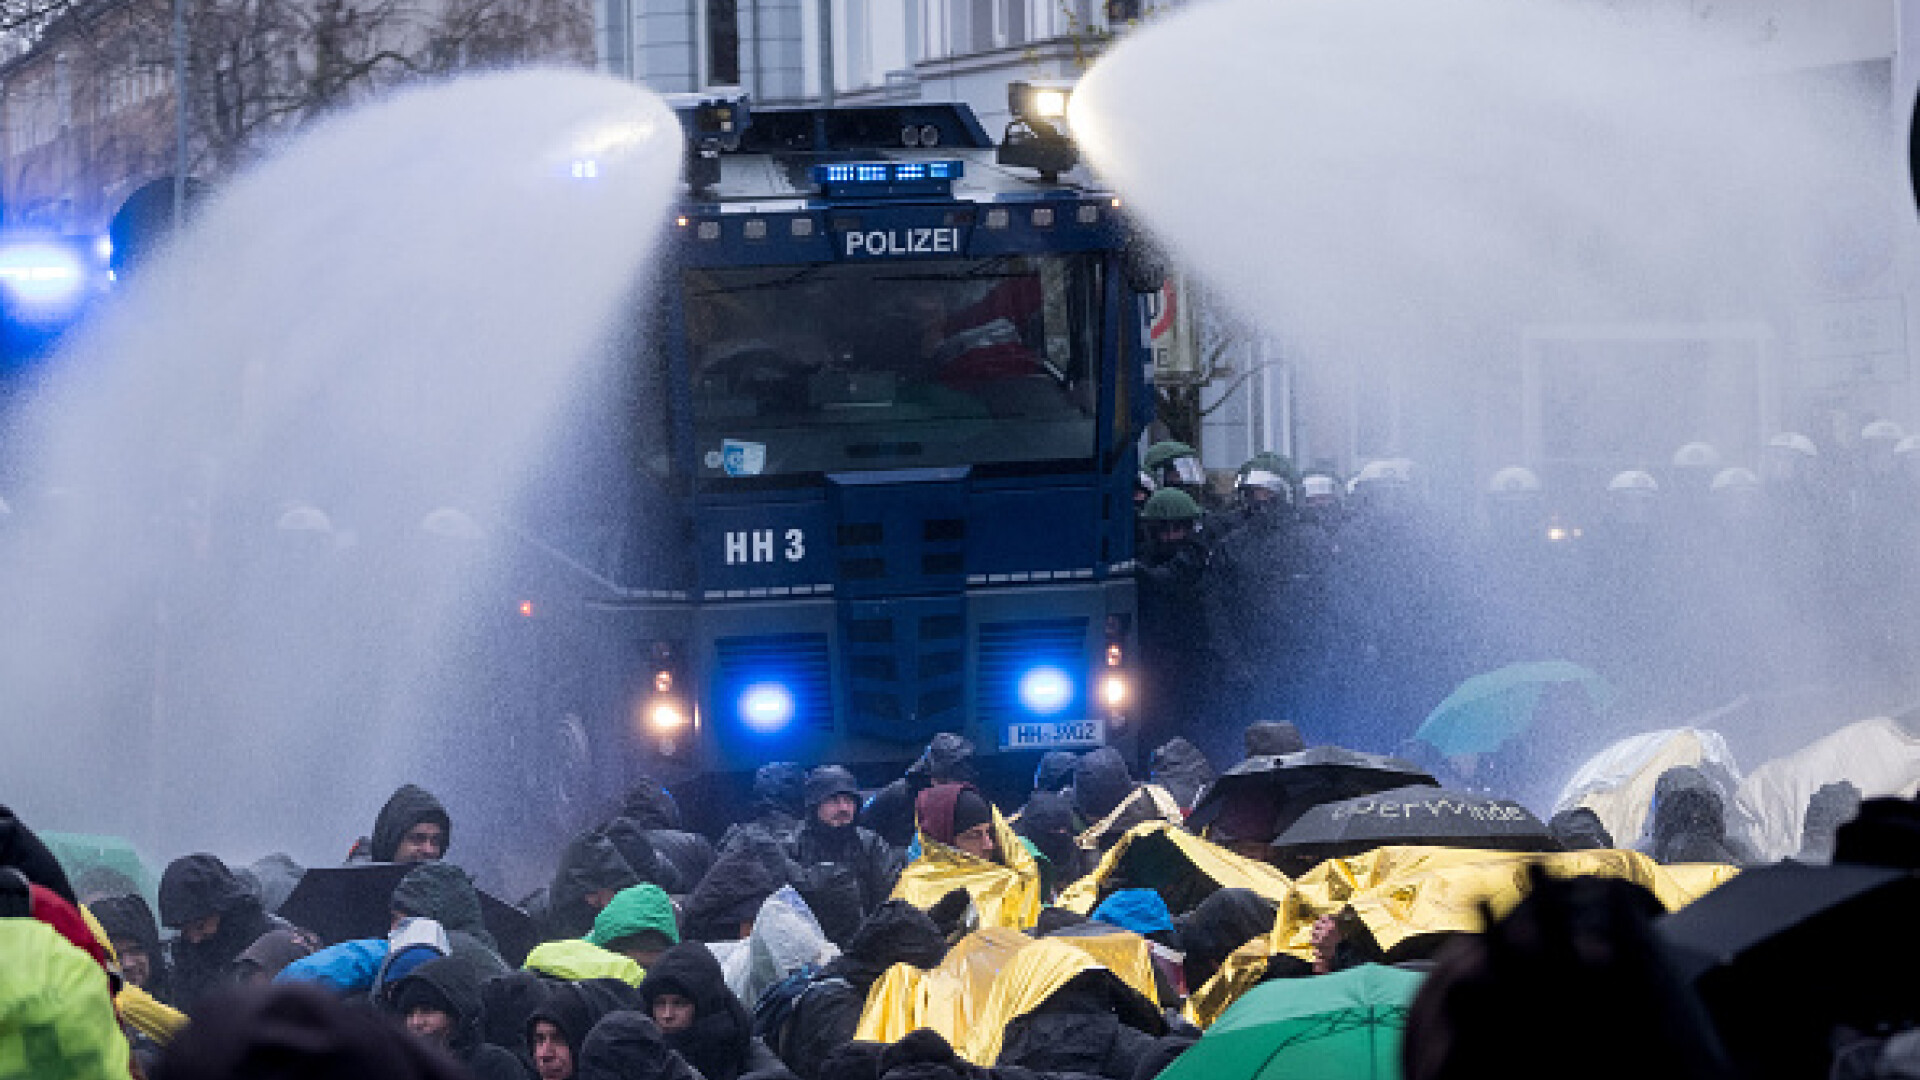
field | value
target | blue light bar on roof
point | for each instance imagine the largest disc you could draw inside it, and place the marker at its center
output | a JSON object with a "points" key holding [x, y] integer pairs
{"points": [[880, 178]]}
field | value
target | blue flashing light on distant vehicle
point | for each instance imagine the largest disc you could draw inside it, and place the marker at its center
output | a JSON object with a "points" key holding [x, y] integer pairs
{"points": [[766, 708], [1046, 690]]}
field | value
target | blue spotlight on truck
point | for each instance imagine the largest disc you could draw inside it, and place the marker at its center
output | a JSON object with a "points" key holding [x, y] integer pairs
{"points": [[1046, 690], [766, 708]]}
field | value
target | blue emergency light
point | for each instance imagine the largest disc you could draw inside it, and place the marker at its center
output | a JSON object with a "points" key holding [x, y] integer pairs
{"points": [[878, 179], [766, 708]]}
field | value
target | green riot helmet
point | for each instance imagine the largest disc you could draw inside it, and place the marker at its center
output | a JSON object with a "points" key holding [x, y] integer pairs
{"points": [[1266, 479], [1173, 462], [1170, 504]]}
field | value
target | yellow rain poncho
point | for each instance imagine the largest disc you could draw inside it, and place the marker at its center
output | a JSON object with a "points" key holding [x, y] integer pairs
{"points": [[1007, 896], [990, 978], [573, 959], [56, 1018], [1156, 855]]}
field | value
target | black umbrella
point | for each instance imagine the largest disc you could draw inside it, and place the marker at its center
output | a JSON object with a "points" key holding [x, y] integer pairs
{"points": [[1420, 815], [345, 903], [1290, 784], [1783, 953]]}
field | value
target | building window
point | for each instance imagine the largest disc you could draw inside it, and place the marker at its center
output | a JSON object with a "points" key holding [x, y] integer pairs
{"points": [[723, 43]]}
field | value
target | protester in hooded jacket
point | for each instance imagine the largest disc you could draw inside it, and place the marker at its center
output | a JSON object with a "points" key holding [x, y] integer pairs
{"points": [[820, 1013], [1224, 921], [270, 954], [412, 827], [590, 874], [556, 1031], [958, 816], [506, 1004], [52, 990], [1094, 1024], [440, 1003], [779, 800], [444, 893], [1688, 822], [217, 918], [628, 1045], [135, 936], [729, 897], [639, 924], [649, 836], [256, 1033], [1050, 827], [1055, 772], [786, 939], [948, 759], [1105, 794], [687, 995], [844, 871], [1183, 770]]}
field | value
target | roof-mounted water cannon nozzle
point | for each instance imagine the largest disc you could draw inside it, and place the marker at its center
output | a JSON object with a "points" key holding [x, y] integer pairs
{"points": [[712, 124], [1036, 136]]}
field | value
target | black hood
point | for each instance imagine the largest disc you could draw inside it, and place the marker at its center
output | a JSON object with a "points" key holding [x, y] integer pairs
{"points": [[408, 807], [827, 781], [1222, 923], [651, 806], [456, 982], [896, 933], [1885, 832], [196, 886], [734, 889], [444, 893], [128, 918], [1689, 819], [574, 1007], [1182, 769], [1055, 772], [778, 787], [719, 1039], [1101, 783], [628, 1045], [251, 1032], [947, 757], [1580, 829], [506, 1004], [588, 863], [1048, 821], [22, 850]]}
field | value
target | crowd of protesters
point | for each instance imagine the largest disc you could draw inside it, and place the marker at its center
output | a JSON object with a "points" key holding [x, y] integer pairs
{"points": [[660, 954]]}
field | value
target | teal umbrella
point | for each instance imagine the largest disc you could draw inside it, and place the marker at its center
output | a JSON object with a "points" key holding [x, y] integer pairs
{"points": [[102, 864], [1343, 1026], [1488, 711]]}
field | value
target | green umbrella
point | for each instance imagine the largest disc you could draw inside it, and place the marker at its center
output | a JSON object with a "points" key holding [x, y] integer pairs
{"points": [[100, 863], [1488, 711], [1343, 1026]]}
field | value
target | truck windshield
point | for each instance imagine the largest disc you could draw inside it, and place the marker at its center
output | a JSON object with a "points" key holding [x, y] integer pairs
{"points": [[857, 366]]}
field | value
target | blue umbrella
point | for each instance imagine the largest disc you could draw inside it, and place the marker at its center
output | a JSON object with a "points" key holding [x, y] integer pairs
{"points": [[1490, 710]]}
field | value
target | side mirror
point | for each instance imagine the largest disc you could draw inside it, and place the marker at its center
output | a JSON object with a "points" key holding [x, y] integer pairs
{"points": [[1143, 266]]}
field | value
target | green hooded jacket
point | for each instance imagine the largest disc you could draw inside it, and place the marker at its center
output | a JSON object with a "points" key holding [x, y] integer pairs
{"points": [[633, 909]]}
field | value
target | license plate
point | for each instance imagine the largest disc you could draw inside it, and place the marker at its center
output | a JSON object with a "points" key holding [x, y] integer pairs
{"points": [[1054, 735]]}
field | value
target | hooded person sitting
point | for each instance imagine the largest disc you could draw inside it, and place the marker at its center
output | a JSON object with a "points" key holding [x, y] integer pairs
{"points": [[844, 871], [364, 966], [779, 800], [1054, 774], [439, 1002], [822, 1014], [444, 893], [728, 900], [960, 817], [1050, 827], [1688, 820], [413, 826], [891, 812], [590, 874], [217, 918], [135, 936], [557, 1029], [1105, 794], [687, 995], [786, 940], [1179, 767], [1224, 921], [1093, 1024], [639, 924], [628, 1045], [648, 834]]}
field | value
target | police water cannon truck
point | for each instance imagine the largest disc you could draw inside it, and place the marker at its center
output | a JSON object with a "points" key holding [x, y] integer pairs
{"points": [[885, 401]]}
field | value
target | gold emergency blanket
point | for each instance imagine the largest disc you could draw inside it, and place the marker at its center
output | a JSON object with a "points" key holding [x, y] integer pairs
{"points": [[1401, 893], [1006, 896], [990, 978], [1156, 855]]}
